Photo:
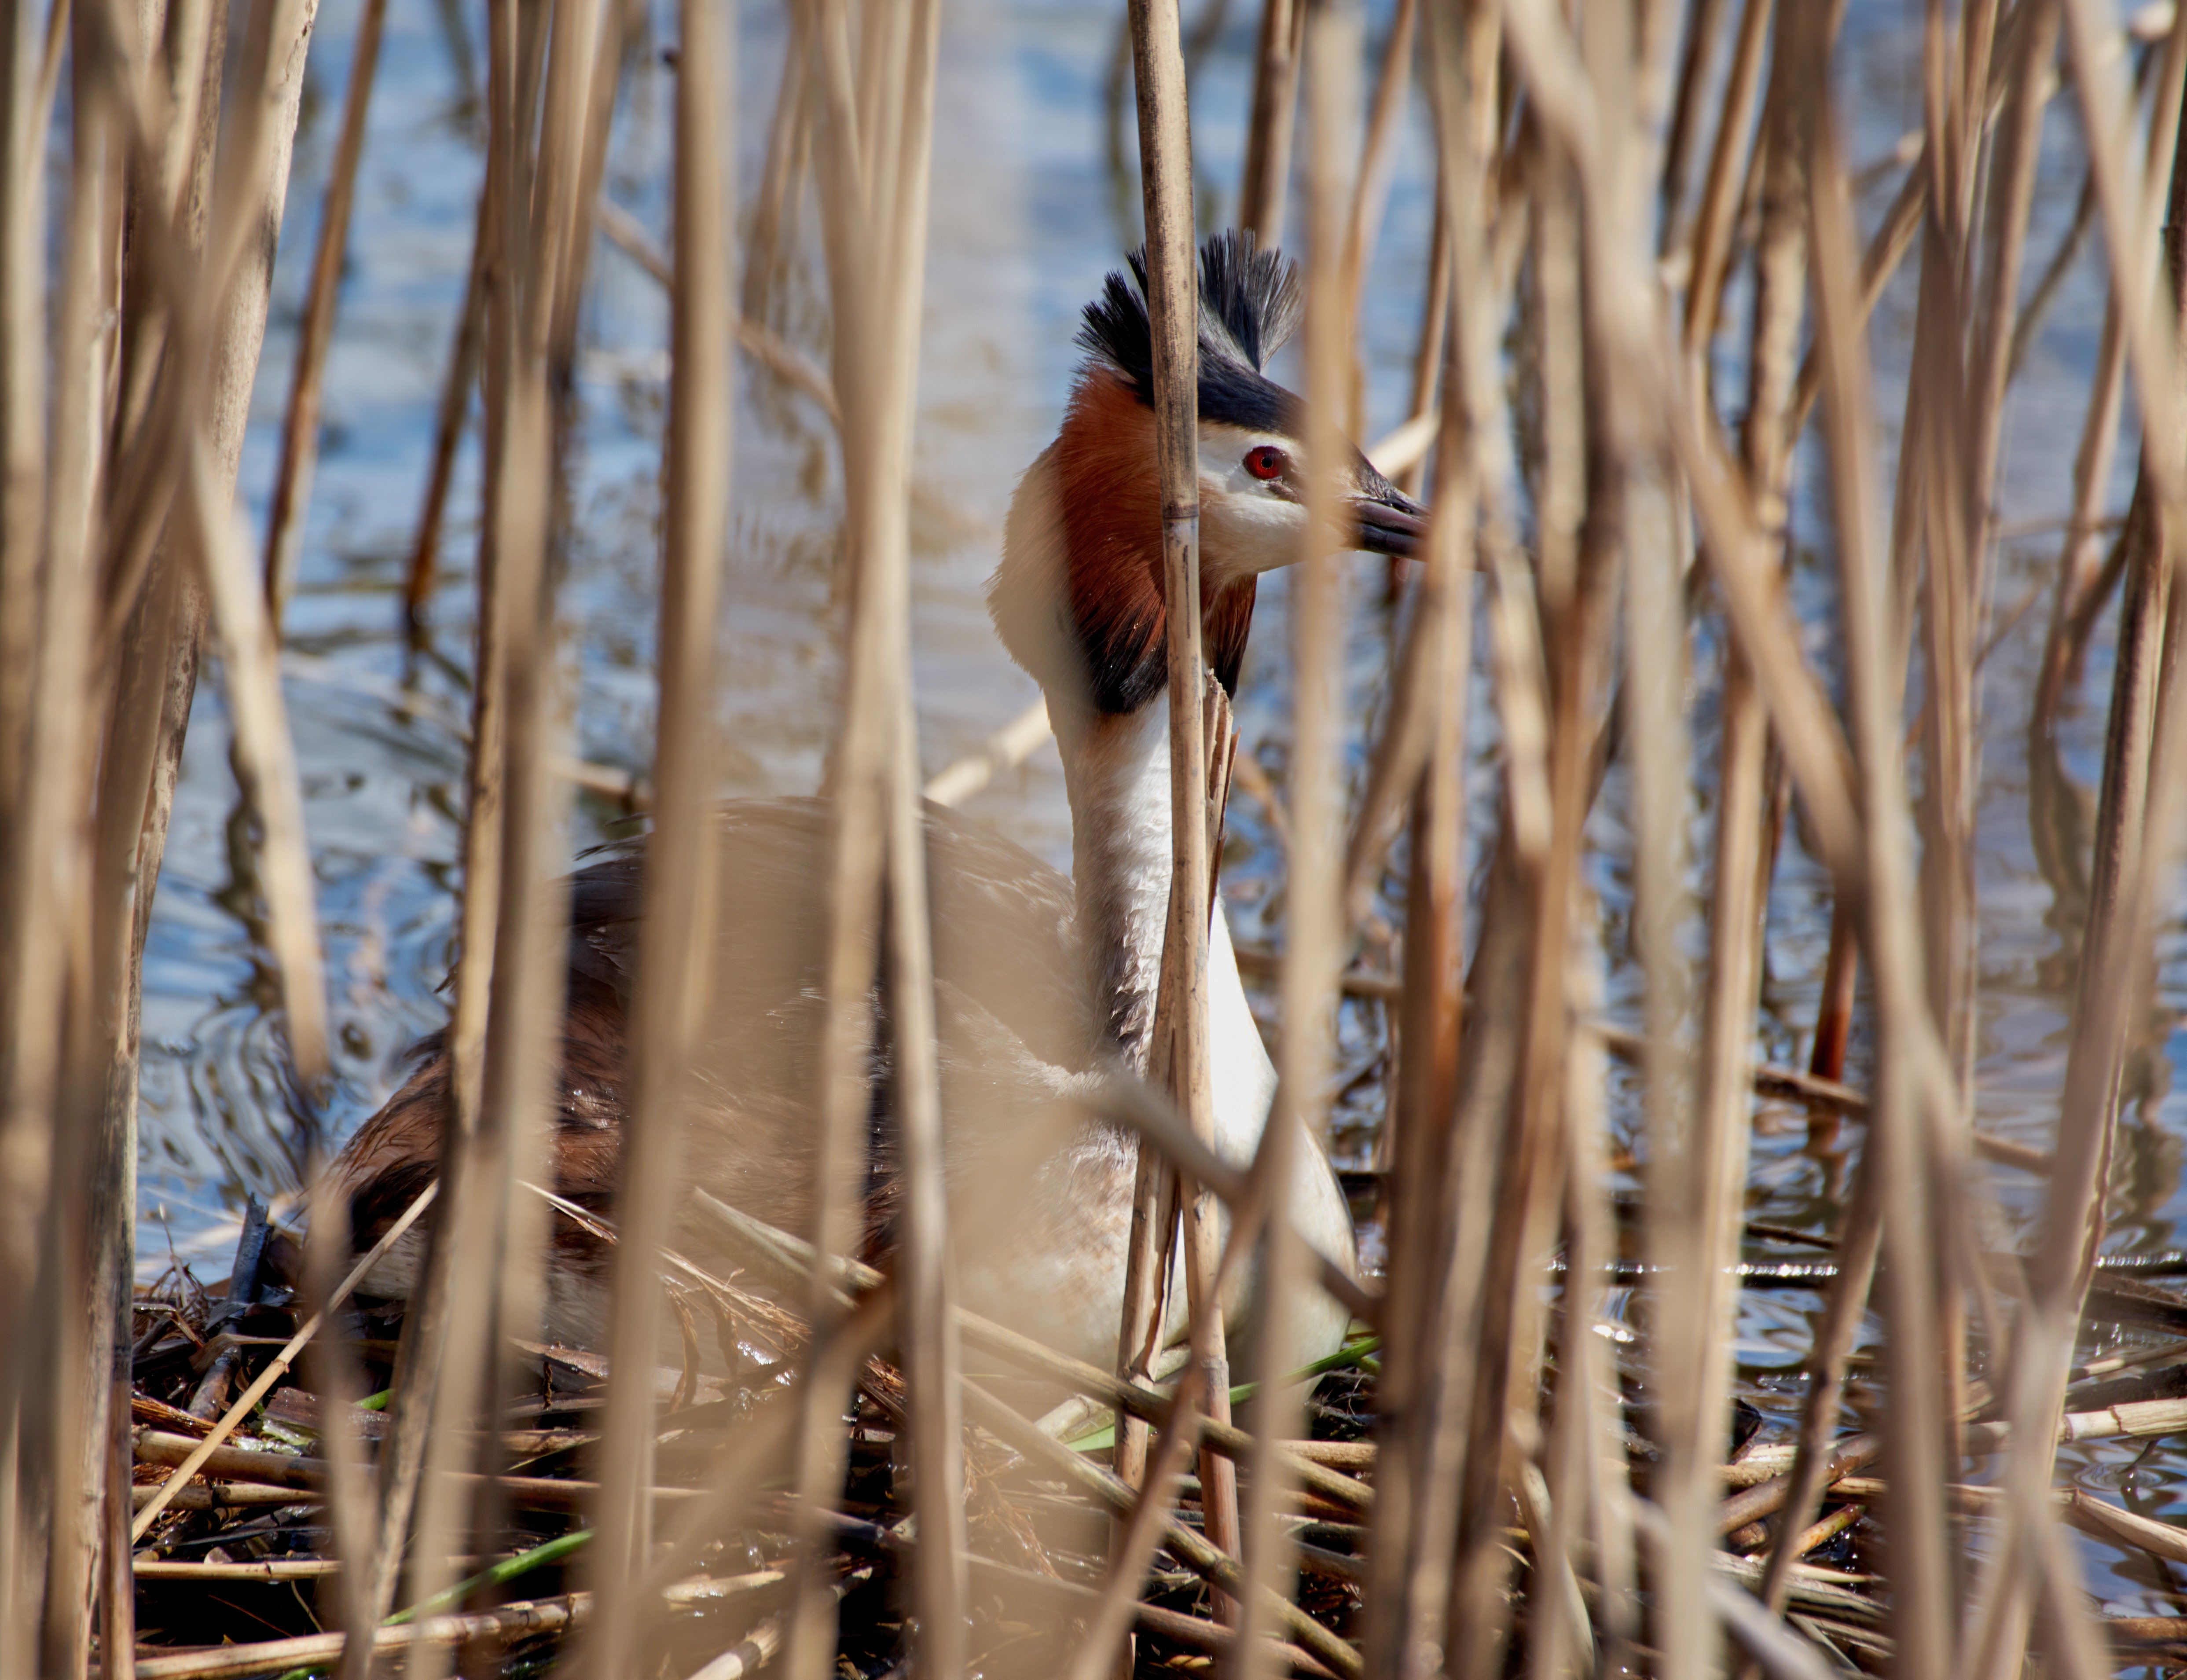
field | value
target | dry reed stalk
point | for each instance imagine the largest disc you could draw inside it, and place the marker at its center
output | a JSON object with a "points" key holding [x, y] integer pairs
{"points": [[1704, 1202], [774, 206], [1657, 739], [1588, 1462], [344, 1599], [1708, 244], [1704, 21], [1189, 1547], [1545, 700], [857, 774], [265, 763], [932, 1363], [671, 1008], [300, 427], [49, 1114], [23, 356], [601, 80], [1314, 946], [876, 232], [278, 1365], [1911, 1075], [1394, 82], [2133, 835], [136, 775], [759, 1450], [2055, 818], [1587, 1467], [1139, 1536], [1600, 129], [1443, 1153], [456, 384], [1435, 327], [1843, 1309], [150, 641], [1180, 1045], [1933, 566], [1265, 189], [1695, 1187], [496, 1246], [526, 997], [433, 1389], [1150, 1247], [2012, 197]]}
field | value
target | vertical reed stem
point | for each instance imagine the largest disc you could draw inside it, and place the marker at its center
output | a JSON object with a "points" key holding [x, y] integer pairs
{"points": [[1265, 187], [299, 431], [1910, 1063], [671, 1010], [1312, 951], [456, 387]]}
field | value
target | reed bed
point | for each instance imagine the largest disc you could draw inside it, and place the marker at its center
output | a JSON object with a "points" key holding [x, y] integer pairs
{"points": [[1707, 594]]}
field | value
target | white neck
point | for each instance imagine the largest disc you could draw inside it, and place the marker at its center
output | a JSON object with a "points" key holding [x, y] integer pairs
{"points": [[1116, 768]]}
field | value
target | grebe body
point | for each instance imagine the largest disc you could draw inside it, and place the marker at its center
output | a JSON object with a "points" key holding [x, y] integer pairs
{"points": [[1042, 984]]}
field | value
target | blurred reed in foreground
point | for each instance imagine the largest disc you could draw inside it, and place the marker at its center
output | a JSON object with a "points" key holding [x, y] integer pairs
{"points": [[1611, 459]]}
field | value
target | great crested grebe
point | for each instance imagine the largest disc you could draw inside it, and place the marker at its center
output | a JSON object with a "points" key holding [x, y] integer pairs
{"points": [[1041, 982]]}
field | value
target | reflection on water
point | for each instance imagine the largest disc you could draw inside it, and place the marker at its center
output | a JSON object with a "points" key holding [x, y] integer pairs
{"points": [[1027, 214]]}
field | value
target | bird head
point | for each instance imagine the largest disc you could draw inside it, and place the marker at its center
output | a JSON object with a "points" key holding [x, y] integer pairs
{"points": [[1078, 597]]}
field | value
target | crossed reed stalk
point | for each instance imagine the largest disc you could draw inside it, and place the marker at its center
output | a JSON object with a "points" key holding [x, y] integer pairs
{"points": [[1610, 458]]}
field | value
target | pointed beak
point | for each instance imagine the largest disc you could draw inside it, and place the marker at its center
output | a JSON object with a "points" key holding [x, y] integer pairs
{"points": [[1389, 521]]}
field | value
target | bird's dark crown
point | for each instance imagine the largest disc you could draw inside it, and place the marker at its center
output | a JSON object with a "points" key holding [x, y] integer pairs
{"points": [[1250, 301]]}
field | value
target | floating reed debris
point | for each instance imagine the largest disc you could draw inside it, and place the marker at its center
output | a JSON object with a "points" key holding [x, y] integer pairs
{"points": [[1650, 836]]}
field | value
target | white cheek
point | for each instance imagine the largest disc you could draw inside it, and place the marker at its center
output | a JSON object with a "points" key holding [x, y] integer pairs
{"points": [[1246, 529]]}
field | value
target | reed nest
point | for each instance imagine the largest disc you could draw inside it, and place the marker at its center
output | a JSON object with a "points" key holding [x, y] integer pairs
{"points": [[1713, 419]]}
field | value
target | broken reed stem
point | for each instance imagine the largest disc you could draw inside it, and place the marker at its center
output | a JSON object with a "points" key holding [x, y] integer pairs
{"points": [[670, 1009], [1139, 1535], [278, 1367], [299, 428]]}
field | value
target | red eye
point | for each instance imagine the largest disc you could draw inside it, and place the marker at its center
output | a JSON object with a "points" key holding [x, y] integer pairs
{"points": [[1266, 462]]}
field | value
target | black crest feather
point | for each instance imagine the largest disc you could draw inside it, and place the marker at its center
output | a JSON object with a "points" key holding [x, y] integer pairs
{"points": [[1250, 303]]}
